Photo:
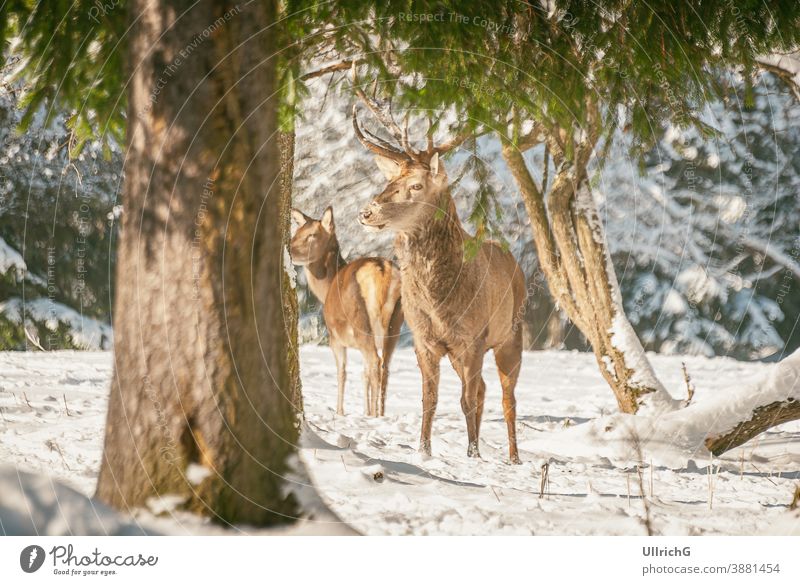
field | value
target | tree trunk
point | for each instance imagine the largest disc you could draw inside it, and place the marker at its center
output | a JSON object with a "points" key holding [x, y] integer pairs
{"points": [[201, 400], [291, 311], [572, 251]]}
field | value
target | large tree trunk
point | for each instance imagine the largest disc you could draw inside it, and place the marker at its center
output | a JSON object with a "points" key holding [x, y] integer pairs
{"points": [[291, 311], [201, 402], [572, 252]]}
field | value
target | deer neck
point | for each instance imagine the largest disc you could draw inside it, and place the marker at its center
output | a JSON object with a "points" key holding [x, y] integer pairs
{"points": [[436, 245], [320, 274]]}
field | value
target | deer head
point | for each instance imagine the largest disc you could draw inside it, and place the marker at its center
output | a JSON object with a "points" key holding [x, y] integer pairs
{"points": [[417, 178], [313, 237]]}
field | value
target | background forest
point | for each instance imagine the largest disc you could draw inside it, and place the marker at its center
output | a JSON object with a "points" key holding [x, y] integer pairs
{"points": [[707, 254]]}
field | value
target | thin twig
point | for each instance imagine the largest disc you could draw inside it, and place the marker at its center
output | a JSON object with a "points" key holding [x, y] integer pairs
{"points": [[54, 447], [65, 405], [648, 523], [628, 481], [762, 473], [710, 474]]}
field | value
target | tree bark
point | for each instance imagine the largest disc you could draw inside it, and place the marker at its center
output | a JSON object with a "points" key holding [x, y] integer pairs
{"points": [[201, 401], [291, 311], [572, 252]]}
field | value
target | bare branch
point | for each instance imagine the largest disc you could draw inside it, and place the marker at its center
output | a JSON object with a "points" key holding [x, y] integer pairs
{"points": [[340, 66], [786, 67]]}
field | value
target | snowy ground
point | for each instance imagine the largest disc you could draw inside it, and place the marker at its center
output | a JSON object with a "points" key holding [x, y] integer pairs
{"points": [[52, 411]]}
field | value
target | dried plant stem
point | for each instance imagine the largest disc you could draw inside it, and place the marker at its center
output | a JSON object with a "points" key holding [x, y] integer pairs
{"points": [[689, 385], [544, 487]]}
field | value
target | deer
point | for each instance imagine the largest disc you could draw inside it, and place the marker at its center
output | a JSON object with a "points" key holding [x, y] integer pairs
{"points": [[360, 304], [455, 306]]}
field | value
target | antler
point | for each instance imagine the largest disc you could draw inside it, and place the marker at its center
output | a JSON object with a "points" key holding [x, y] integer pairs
{"points": [[383, 112], [379, 146]]}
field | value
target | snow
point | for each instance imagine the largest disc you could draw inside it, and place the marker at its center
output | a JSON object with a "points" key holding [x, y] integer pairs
{"points": [[675, 439], [369, 472], [674, 304], [86, 332], [11, 259], [35, 505]]}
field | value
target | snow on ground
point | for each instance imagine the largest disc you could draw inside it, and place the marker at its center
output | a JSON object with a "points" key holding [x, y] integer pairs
{"points": [[369, 471]]}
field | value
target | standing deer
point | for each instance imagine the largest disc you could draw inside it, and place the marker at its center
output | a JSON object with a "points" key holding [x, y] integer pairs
{"points": [[455, 306], [361, 304]]}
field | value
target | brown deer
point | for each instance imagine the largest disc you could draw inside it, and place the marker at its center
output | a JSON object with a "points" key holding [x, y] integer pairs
{"points": [[361, 304], [455, 306]]}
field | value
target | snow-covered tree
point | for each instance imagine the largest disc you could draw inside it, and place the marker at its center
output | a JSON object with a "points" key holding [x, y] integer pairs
{"points": [[705, 237], [57, 224]]}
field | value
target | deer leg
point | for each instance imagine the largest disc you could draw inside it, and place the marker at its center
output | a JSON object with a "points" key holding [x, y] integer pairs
{"points": [[372, 366], [429, 367], [340, 355], [468, 366], [479, 409], [389, 344], [508, 359], [376, 382], [384, 382]]}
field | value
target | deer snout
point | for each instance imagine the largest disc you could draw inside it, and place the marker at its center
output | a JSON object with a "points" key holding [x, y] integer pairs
{"points": [[369, 216], [370, 210]]}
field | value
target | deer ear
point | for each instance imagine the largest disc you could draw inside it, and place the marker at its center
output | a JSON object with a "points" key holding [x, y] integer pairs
{"points": [[389, 167], [327, 220], [299, 217], [434, 164]]}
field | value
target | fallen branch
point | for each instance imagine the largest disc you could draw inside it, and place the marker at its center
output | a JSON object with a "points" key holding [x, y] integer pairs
{"points": [[764, 417]]}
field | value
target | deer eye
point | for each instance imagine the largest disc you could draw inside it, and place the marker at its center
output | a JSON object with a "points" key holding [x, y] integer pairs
{"points": [[416, 186]]}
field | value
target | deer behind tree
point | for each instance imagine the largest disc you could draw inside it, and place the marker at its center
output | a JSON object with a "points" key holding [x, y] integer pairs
{"points": [[455, 306], [361, 304]]}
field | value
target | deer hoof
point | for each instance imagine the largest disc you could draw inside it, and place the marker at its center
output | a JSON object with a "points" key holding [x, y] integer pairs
{"points": [[425, 447], [515, 460], [472, 450]]}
